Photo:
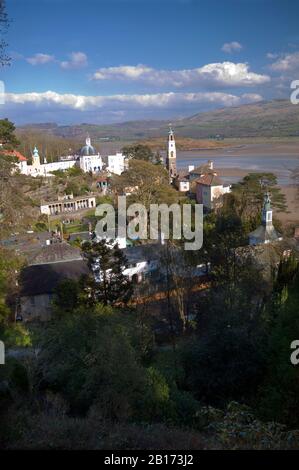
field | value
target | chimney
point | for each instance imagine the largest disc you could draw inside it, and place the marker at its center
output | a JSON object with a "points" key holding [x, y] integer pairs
{"points": [[210, 165], [190, 168]]}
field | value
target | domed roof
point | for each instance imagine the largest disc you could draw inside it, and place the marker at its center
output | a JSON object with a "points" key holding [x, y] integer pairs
{"points": [[87, 149]]}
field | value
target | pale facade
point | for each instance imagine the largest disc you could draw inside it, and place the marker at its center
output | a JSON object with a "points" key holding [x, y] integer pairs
{"points": [[209, 191], [116, 164], [68, 204], [266, 232], [171, 155], [89, 160], [91, 163]]}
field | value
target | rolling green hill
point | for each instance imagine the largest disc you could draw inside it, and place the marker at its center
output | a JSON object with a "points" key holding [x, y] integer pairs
{"points": [[277, 118]]}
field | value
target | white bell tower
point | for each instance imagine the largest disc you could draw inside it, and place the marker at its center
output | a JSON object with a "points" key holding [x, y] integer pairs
{"points": [[267, 211], [35, 157], [171, 154]]}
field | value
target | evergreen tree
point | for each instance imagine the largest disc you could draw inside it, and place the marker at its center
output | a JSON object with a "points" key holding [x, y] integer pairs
{"points": [[107, 284]]}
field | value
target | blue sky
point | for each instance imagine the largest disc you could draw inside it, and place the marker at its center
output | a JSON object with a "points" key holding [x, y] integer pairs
{"points": [[108, 61]]}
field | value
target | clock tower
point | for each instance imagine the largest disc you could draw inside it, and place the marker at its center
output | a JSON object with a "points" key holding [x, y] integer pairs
{"points": [[171, 155]]}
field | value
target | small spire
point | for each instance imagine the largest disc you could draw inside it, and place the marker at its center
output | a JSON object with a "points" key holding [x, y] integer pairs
{"points": [[267, 201], [88, 141]]}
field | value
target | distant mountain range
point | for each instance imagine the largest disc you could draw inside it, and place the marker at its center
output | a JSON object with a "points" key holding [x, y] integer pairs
{"points": [[277, 118]]}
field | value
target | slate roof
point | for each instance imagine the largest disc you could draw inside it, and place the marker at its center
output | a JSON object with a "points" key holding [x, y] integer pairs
{"points": [[265, 233], [59, 251], [182, 175], [146, 252], [199, 170], [44, 278]]}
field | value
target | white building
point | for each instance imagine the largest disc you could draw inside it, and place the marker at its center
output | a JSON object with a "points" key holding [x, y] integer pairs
{"points": [[171, 155], [68, 204], [90, 160], [116, 164], [209, 190], [266, 232], [44, 169]]}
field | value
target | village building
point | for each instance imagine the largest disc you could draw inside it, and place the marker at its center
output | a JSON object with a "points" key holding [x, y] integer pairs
{"points": [[171, 155], [68, 203], [88, 159], [195, 173], [209, 191], [38, 281], [38, 285], [103, 183], [116, 164], [21, 161], [44, 169], [266, 232], [142, 261], [182, 182]]}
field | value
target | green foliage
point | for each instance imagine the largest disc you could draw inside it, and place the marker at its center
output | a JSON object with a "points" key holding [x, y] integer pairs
{"points": [[7, 134], [139, 152], [67, 296], [280, 391], [149, 184], [107, 284], [89, 359], [246, 199], [238, 428]]}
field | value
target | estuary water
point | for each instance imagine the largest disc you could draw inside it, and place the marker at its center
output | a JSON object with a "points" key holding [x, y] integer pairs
{"points": [[279, 164]]}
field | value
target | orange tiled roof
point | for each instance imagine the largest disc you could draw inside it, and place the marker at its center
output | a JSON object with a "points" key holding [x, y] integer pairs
{"points": [[14, 153], [209, 179]]}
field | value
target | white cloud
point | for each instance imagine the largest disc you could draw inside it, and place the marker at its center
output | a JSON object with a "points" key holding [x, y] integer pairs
{"points": [[287, 62], [77, 60], [40, 58], [121, 101], [271, 55], [216, 74], [68, 108], [230, 47]]}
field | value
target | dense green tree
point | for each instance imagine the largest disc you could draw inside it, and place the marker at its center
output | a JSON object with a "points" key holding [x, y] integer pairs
{"points": [[67, 296], [7, 134], [247, 197], [148, 183], [280, 391], [139, 152], [107, 283], [11, 333]]}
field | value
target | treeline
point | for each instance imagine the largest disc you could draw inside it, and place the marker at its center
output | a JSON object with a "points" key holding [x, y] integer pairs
{"points": [[49, 146]]}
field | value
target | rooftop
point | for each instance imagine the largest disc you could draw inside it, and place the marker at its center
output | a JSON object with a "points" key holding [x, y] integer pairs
{"points": [[45, 278], [14, 153], [55, 253], [209, 179]]}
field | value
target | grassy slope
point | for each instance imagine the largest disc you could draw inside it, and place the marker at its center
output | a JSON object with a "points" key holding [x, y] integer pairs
{"points": [[277, 118]]}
